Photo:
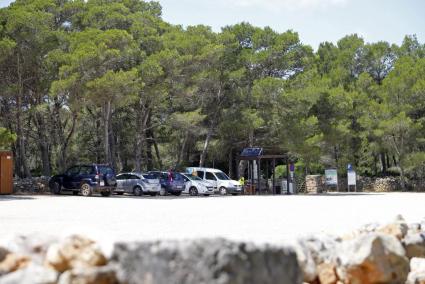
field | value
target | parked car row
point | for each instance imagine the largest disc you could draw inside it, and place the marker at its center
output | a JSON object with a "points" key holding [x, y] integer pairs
{"points": [[87, 179]]}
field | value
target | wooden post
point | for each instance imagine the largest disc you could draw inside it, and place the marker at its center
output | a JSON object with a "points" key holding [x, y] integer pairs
{"points": [[258, 175], [237, 168], [274, 176], [267, 175], [251, 166], [288, 178]]}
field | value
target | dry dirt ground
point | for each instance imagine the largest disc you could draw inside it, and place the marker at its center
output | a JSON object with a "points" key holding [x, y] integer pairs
{"points": [[260, 219]]}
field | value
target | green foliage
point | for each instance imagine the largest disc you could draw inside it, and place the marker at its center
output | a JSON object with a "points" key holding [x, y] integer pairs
{"points": [[6, 139], [111, 81]]}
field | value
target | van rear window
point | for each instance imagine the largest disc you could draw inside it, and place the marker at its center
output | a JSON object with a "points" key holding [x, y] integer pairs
{"points": [[105, 170]]}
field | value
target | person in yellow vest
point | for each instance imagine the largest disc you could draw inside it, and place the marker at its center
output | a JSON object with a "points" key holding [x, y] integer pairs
{"points": [[242, 183]]}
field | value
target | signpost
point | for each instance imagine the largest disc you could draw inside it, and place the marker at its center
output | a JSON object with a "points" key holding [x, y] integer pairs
{"points": [[351, 178], [331, 178], [291, 180]]}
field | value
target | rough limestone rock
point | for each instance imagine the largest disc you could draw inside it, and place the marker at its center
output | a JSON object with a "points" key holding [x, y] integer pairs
{"points": [[94, 275], [398, 228], [414, 245], [414, 228], [363, 230], [214, 261], [306, 262], [32, 274], [322, 248], [374, 258], [13, 262], [312, 251], [34, 246], [417, 271], [3, 253], [327, 273], [74, 252]]}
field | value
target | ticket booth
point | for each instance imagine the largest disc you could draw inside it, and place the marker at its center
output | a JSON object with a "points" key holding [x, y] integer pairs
{"points": [[6, 172]]}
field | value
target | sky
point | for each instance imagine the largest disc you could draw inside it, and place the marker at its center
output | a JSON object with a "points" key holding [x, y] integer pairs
{"points": [[315, 20]]}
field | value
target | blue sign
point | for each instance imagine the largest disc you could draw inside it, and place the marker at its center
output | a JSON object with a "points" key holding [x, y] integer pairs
{"points": [[349, 167], [292, 167], [252, 152]]}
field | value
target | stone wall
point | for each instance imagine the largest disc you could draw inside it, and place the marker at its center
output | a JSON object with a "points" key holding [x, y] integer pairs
{"points": [[365, 184], [35, 185], [375, 253]]}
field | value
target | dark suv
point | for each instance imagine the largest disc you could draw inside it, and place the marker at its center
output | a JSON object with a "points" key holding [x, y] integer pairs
{"points": [[173, 183], [87, 179]]}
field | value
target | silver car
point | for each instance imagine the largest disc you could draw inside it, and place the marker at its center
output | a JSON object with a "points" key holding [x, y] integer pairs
{"points": [[137, 184], [195, 185]]}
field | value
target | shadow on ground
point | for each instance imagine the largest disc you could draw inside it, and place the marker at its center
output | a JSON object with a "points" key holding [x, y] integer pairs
{"points": [[14, 197]]}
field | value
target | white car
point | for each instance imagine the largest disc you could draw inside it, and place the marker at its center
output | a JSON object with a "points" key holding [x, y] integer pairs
{"points": [[222, 183], [195, 185], [137, 184]]}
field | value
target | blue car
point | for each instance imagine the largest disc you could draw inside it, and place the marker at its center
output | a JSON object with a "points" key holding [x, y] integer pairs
{"points": [[171, 183], [85, 179]]}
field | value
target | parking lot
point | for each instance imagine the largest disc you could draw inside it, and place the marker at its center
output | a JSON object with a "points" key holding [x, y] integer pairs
{"points": [[272, 219]]}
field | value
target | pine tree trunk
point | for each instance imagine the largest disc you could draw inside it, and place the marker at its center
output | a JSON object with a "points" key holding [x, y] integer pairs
{"points": [[182, 149], [205, 148], [67, 140], [141, 121], [230, 163], [383, 163], [112, 147], [21, 162], [43, 144], [158, 156], [106, 123], [149, 144]]}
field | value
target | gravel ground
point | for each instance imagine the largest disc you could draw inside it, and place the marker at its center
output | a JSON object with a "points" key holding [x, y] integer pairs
{"points": [[261, 219]]}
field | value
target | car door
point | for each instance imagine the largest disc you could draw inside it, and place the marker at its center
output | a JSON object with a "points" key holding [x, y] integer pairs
{"points": [[121, 180], [210, 177], [70, 176], [132, 181], [127, 184], [84, 173], [187, 183]]}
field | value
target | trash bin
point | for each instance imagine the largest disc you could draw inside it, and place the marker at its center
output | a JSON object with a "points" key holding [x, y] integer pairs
{"points": [[6, 172], [284, 187]]}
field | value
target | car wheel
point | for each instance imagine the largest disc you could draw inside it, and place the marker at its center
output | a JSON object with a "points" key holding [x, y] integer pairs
{"points": [[55, 188], [193, 191], [105, 193], [75, 193], [163, 191], [138, 191], [86, 189], [206, 195], [223, 190]]}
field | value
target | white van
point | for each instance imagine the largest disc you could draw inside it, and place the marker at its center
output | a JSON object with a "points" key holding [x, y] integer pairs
{"points": [[222, 183]]}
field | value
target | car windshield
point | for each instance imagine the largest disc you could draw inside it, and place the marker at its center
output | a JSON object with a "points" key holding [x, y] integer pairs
{"points": [[222, 176], [149, 176], [191, 177], [105, 170]]}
